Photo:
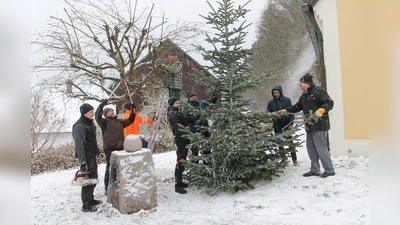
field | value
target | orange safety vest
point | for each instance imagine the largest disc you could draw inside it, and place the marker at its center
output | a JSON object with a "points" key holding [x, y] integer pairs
{"points": [[134, 127]]}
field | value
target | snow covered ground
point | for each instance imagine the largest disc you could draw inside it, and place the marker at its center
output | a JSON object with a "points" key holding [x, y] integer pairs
{"points": [[288, 199]]}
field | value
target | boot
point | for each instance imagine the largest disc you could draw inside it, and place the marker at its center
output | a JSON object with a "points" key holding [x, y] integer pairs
{"points": [[311, 173], [179, 189], [184, 185], [96, 202], [89, 208]]}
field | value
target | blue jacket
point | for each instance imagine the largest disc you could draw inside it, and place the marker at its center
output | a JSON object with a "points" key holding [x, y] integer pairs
{"points": [[277, 104]]}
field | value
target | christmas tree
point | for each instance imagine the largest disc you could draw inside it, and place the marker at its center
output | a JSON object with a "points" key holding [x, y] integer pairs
{"points": [[242, 145]]}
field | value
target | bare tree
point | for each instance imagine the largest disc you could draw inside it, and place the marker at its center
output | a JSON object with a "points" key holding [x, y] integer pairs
{"points": [[279, 31], [45, 120], [96, 45], [282, 38]]}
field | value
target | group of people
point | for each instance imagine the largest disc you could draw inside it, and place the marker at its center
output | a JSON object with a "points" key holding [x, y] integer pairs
{"points": [[176, 118], [314, 101], [114, 132]]}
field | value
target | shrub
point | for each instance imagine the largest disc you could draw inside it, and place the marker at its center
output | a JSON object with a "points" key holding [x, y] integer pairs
{"points": [[52, 159]]}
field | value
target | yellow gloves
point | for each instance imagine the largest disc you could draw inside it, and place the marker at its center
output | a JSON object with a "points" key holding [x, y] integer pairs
{"points": [[319, 112], [282, 111]]}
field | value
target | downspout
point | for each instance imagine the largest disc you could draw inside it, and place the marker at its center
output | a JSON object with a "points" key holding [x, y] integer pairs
{"points": [[316, 38]]}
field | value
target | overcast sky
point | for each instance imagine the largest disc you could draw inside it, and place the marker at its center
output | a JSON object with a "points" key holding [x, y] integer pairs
{"points": [[175, 10]]}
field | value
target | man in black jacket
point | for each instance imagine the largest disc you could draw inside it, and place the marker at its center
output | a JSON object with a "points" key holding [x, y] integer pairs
{"points": [[176, 118], [86, 149], [113, 134], [315, 101]]}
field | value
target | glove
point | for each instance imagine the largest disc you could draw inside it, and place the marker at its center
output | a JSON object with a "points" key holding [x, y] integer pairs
{"points": [[84, 167], [104, 102], [319, 112], [282, 111]]}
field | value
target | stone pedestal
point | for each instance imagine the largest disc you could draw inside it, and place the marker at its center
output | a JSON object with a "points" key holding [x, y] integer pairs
{"points": [[132, 181]]}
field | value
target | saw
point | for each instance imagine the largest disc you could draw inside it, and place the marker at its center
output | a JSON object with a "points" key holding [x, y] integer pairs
{"points": [[81, 178]]}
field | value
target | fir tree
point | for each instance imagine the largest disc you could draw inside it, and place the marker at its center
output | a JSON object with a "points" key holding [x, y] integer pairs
{"points": [[243, 147]]}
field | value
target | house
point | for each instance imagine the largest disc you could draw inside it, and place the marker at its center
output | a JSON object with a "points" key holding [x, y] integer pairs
{"points": [[358, 47], [154, 85]]}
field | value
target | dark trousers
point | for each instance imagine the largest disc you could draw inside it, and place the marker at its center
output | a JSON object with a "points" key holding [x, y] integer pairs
{"points": [[107, 173], [87, 191], [181, 153], [277, 130], [87, 195], [144, 143]]}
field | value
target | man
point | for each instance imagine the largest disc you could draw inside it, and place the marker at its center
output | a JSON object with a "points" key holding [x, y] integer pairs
{"points": [[113, 134], [134, 127], [86, 149], [194, 120], [176, 118], [279, 102], [173, 76], [315, 102]]}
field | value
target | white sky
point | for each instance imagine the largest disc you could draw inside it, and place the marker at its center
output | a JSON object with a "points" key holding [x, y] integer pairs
{"points": [[175, 10]]}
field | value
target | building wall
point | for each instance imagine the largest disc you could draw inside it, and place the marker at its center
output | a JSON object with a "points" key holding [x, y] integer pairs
{"points": [[349, 120]]}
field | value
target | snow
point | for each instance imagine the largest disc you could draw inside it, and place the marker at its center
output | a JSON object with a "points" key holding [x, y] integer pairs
{"points": [[288, 199]]}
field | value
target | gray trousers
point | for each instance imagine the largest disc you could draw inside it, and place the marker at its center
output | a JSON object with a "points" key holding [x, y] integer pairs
{"points": [[317, 148]]}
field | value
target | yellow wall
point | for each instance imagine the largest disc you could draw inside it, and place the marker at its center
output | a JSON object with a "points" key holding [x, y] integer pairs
{"points": [[368, 31]]}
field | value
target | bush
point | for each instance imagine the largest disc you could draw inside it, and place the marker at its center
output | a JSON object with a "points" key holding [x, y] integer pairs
{"points": [[52, 159], [63, 157], [164, 142]]}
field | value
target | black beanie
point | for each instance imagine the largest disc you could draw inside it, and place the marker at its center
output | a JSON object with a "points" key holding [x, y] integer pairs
{"points": [[171, 101], [85, 108], [189, 95], [307, 78], [128, 105]]}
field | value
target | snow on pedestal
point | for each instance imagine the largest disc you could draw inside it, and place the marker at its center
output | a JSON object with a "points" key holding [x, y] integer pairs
{"points": [[132, 179]]}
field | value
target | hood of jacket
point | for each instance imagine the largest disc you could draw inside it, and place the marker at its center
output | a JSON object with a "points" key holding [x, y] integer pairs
{"points": [[279, 88]]}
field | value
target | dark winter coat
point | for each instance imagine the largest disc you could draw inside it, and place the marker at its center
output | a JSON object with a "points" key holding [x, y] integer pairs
{"points": [[282, 102], [309, 102], [112, 129], [84, 134], [193, 118], [176, 117]]}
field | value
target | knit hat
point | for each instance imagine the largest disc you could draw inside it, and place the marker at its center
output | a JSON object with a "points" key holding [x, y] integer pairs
{"points": [[307, 78], [189, 95], [105, 111], [85, 108], [171, 101], [128, 105]]}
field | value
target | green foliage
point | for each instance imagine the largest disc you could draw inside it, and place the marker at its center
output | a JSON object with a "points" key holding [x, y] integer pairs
{"points": [[243, 146]]}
